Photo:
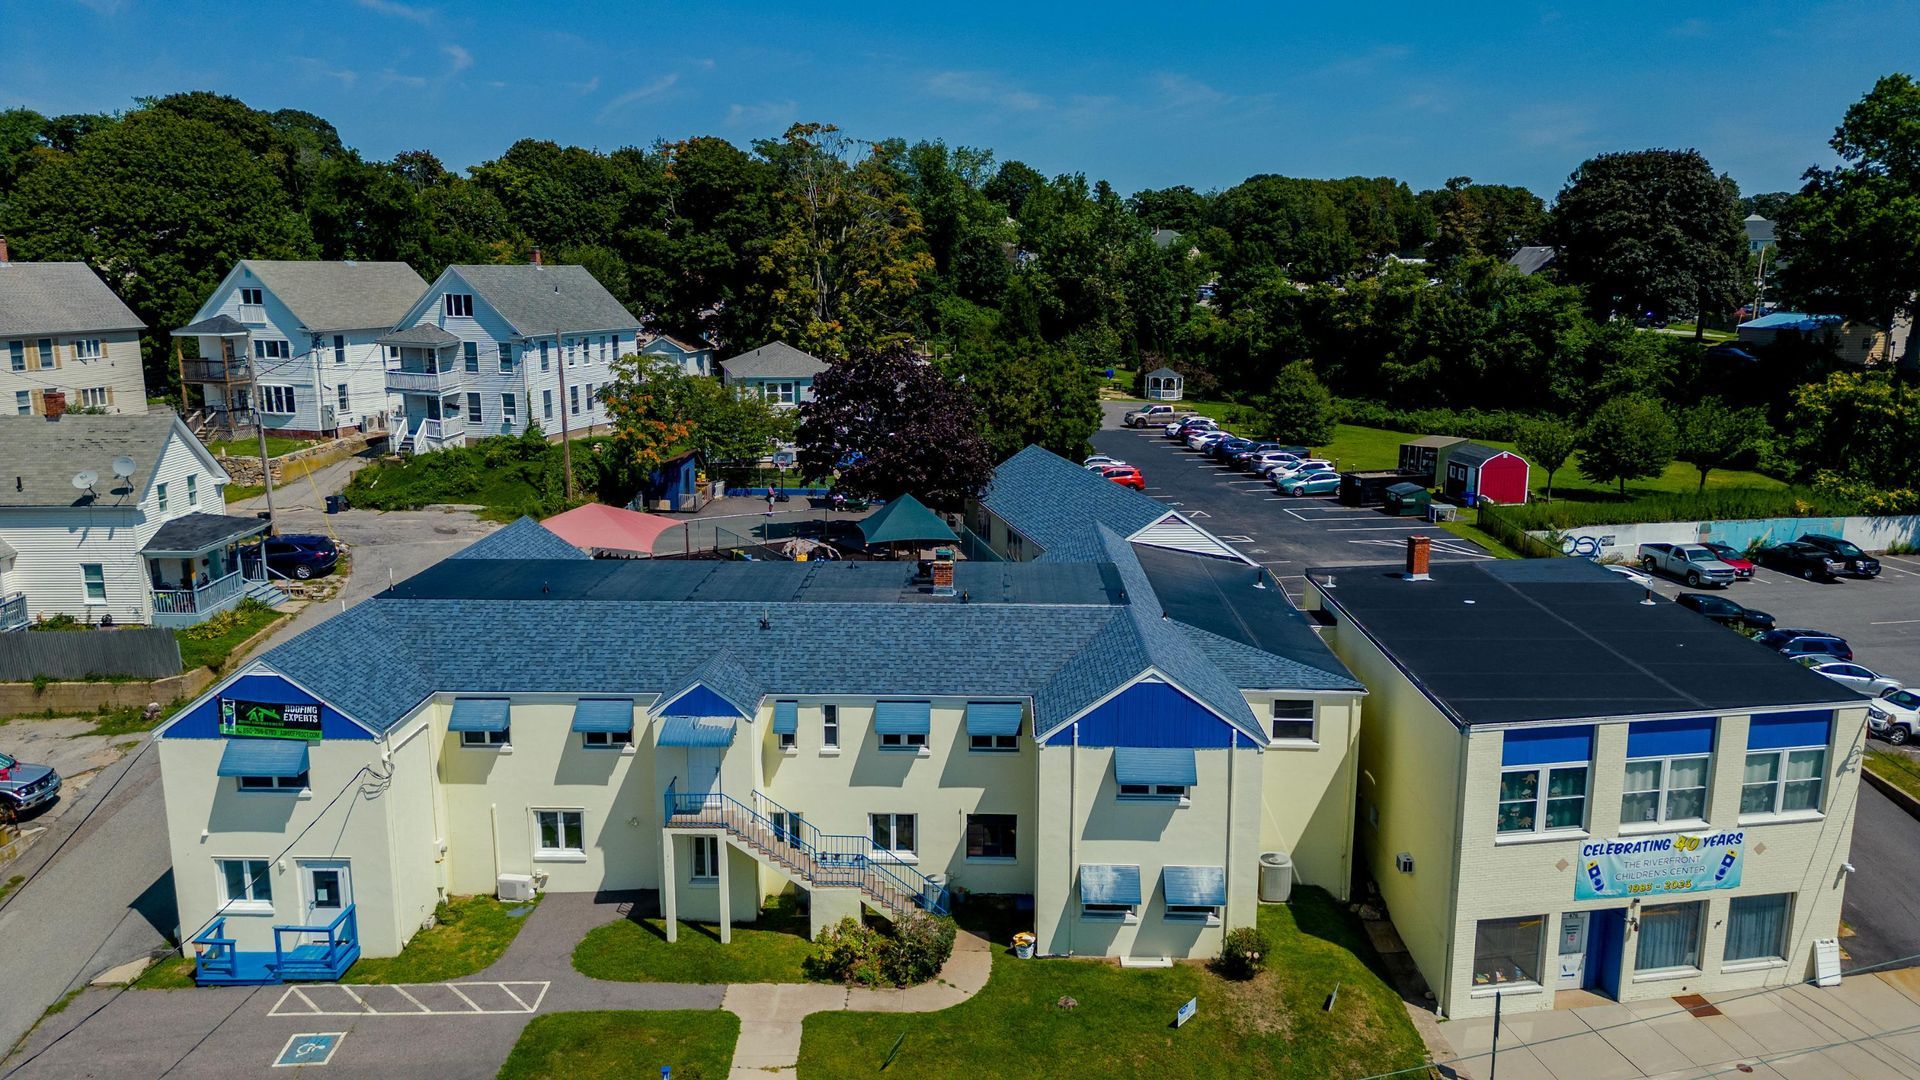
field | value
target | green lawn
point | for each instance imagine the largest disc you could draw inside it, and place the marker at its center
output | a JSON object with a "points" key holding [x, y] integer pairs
{"points": [[172, 973], [1899, 769], [770, 950], [1121, 1023], [470, 933], [698, 1045], [250, 447], [224, 635]]}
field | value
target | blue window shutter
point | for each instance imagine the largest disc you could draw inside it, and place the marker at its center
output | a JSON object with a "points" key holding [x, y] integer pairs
{"points": [[1109, 883], [479, 714], [695, 731], [1547, 745], [993, 717], [786, 717], [902, 717], [1195, 886], [1670, 738], [612, 716], [1155, 765], [263, 757], [1781, 730]]}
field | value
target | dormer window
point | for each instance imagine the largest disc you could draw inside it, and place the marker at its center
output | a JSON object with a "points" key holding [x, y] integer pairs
{"points": [[458, 305]]}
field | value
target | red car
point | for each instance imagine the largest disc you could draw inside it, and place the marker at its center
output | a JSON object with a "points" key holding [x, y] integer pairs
{"points": [[1742, 567], [1125, 476]]}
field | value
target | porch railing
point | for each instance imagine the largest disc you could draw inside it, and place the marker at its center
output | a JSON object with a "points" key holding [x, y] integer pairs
{"points": [[214, 954], [215, 371], [13, 611], [198, 600], [424, 382], [324, 959]]}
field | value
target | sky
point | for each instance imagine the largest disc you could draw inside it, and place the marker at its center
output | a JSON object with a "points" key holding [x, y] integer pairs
{"points": [[1140, 94]]}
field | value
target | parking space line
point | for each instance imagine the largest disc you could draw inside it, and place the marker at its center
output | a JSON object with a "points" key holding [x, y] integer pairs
{"points": [[1376, 528], [1894, 622], [463, 997], [416, 1001]]}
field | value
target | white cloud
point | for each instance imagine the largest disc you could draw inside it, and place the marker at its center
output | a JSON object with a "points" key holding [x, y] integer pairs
{"points": [[1183, 91], [398, 10], [763, 114], [460, 57], [587, 87], [984, 88], [345, 77], [639, 93]]}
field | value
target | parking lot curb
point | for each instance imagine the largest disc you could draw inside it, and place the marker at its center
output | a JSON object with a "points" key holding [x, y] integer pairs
{"points": [[1886, 787]]}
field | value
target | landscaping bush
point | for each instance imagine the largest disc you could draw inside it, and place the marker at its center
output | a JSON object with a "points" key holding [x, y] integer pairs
{"points": [[1725, 504], [1243, 954], [1498, 425], [851, 952]]}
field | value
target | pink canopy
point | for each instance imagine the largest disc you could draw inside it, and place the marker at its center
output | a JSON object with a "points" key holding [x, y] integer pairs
{"points": [[599, 529]]}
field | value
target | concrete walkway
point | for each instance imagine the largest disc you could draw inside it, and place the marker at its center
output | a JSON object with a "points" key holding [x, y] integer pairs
{"points": [[1867, 1028]]}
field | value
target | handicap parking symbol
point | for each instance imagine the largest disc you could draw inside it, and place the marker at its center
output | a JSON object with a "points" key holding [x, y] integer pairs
{"points": [[310, 1048]]}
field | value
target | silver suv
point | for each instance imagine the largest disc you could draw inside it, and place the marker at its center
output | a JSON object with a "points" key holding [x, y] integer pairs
{"points": [[24, 786]]}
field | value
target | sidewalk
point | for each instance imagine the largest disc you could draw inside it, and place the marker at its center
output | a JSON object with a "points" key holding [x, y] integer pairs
{"points": [[1867, 1028]]}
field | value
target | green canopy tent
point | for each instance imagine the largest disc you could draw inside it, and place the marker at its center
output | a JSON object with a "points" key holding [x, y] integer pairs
{"points": [[906, 520]]}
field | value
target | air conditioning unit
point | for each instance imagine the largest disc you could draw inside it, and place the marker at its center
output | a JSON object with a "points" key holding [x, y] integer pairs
{"points": [[515, 887], [1403, 862]]}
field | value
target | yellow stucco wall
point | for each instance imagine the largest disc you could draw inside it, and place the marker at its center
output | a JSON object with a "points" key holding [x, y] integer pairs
{"points": [[1307, 795]]}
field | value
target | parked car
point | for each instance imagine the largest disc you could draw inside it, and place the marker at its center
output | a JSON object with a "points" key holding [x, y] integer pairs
{"points": [[1227, 447], [1834, 647], [1152, 414], [294, 555], [1300, 465], [1780, 635], [1691, 563], [1856, 562], [1100, 461], [1244, 458], [1204, 440], [1180, 429], [1742, 566], [1805, 560], [1260, 463], [1125, 476], [24, 785], [1310, 483], [1850, 675], [1894, 716], [1724, 611]]}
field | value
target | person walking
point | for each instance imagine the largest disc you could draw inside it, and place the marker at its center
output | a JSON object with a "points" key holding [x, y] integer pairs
{"points": [[769, 502]]}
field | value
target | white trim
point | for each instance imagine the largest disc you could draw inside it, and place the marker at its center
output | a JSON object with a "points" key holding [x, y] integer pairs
{"points": [[1216, 547], [660, 705], [261, 667], [1152, 674]]}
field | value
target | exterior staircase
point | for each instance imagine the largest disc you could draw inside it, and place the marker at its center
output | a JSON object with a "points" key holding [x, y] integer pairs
{"points": [[780, 838]]}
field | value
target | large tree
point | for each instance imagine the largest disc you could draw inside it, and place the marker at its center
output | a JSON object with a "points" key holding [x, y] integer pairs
{"points": [[647, 402], [1651, 232], [884, 422], [1297, 409], [1481, 219], [1629, 438], [1547, 442], [1712, 435], [1850, 241], [1030, 392]]}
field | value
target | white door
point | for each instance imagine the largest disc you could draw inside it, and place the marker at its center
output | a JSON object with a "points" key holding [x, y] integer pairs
{"points": [[1573, 950], [328, 888], [703, 770]]}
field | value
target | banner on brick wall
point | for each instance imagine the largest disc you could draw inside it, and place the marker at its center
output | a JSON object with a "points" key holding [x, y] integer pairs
{"points": [[1645, 866]]}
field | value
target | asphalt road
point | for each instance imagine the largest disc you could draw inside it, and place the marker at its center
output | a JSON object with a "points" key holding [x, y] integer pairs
{"points": [[1882, 905]]}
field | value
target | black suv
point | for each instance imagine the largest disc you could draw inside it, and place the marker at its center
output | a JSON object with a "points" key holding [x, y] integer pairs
{"points": [[1805, 560], [1724, 611], [1858, 563]]}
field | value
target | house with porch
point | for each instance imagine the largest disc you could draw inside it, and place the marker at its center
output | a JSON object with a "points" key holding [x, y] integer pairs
{"points": [[496, 349], [776, 371], [117, 517], [1119, 735], [292, 345], [65, 336]]}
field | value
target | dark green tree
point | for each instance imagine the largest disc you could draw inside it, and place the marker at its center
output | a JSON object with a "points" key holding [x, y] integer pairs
{"points": [[1547, 442], [1030, 392], [1712, 435], [1298, 409], [1482, 219], [1629, 438]]}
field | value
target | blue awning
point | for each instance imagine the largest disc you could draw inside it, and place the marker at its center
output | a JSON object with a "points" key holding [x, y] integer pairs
{"points": [[1155, 765], [264, 757], [786, 717], [1670, 738], [1109, 883], [1779, 731], [993, 717], [696, 731], [902, 717], [1195, 886], [609, 716], [478, 714]]}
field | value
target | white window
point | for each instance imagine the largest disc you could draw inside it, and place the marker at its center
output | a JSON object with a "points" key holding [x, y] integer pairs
{"points": [[1293, 722], [606, 740], [506, 359], [160, 492], [483, 739], [509, 408], [912, 740], [193, 490], [778, 393], [1543, 798], [993, 836], [251, 297], [276, 400], [87, 349], [787, 740], [96, 397], [706, 859], [1507, 951], [17, 355], [245, 882], [1669, 937], [470, 355], [1665, 789], [46, 353], [1757, 927], [272, 349], [1107, 911], [340, 398], [546, 404], [992, 743], [829, 725], [560, 833], [275, 783], [894, 832], [573, 399], [1783, 781], [1153, 791], [544, 360], [23, 402], [339, 348], [573, 351], [473, 407], [458, 305], [93, 578]]}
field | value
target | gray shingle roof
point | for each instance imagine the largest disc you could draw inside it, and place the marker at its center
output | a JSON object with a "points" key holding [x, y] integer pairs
{"points": [[218, 326], [341, 295], [425, 335], [540, 300], [680, 343], [521, 539], [774, 360], [1057, 505], [39, 457], [1532, 260], [1473, 454], [57, 298], [200, 532]]}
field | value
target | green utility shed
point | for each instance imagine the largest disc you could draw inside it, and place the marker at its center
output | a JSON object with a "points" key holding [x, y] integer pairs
{"points": [[1408, 500]]}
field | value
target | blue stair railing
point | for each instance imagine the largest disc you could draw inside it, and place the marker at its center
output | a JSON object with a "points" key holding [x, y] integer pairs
{"points": [[328, 958], [818, 858], [214, 953]]}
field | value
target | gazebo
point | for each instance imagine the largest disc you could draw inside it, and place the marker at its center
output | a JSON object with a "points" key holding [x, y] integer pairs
{"points": [[1165, 384], [905, 520], [608, 532]]}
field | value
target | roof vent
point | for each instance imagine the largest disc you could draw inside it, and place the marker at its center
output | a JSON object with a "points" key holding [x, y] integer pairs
{"points": [[766, 619]]}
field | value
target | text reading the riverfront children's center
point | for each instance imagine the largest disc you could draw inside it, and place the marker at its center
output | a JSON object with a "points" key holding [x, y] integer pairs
{"points": [[1660, 865]]}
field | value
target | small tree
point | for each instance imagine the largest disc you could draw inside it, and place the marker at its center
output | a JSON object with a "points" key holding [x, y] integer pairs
{"points": [[647, 400], [1629, 438], [1712, 436], [1299, 409], [1548, 443], [888, 423]]}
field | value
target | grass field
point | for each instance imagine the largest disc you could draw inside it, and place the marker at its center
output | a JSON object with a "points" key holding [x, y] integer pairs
{"points": [[770, 950], [696, 1045], [470, 933], [1896, 768], [1120, 1020], [250, 447], [213, 652]]}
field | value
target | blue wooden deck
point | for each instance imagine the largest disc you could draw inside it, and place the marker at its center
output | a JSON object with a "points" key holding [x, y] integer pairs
{"points": [[218, 963]]}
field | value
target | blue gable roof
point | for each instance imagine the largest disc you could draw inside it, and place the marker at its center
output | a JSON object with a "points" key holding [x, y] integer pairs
{"points": [[522, 539], [203, 721], [1059, 505]]}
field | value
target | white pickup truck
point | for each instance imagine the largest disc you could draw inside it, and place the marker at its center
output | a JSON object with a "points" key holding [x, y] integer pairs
{"points": [[1694, 564]]}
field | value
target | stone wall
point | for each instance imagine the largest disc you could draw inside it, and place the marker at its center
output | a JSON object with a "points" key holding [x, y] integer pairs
{"points": [[246, 470]]}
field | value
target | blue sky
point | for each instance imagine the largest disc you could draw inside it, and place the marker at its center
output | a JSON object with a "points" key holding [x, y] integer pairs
{"points": [[1144, 95]]}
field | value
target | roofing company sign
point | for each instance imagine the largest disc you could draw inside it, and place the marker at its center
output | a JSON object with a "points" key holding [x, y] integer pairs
{"points": [[1659, 865], [278, 721]]}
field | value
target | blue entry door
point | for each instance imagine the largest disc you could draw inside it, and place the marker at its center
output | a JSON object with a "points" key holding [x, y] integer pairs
{"points": [[1606, 943], [703, 770]]}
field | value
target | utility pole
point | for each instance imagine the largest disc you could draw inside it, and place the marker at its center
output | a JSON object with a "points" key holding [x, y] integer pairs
{"points": [[253, 379], [566, 436]]}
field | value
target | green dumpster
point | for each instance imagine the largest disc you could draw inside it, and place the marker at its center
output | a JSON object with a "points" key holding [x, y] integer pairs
{"points": [[1407, 500]]}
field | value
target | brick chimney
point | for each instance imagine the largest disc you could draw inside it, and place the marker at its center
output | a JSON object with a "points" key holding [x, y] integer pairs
{"points": [[3, 250], [943, 572], [53, 403], [1419, 552], [536, 256]]}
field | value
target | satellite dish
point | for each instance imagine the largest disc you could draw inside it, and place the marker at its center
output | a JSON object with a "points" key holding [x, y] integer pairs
{"points": [[123, 466], [85, 479]]}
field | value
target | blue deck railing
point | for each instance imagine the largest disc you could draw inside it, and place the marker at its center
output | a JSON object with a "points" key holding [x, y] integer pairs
{"points": [[327, 958], [214, 955], [819, 858]]}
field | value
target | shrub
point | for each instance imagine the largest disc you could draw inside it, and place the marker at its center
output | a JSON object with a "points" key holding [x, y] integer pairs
{"points": [[1724, 504], [914, 952], [847, 952], [1497, 425], [919, 948], [1243, 954]]}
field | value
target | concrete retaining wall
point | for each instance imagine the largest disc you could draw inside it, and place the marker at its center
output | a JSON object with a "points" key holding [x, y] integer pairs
{"points": [[246, 469], [1871, 533], [72, 698]]}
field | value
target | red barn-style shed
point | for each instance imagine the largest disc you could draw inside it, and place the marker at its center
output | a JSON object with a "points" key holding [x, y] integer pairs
{"points": [[1476, 472]]}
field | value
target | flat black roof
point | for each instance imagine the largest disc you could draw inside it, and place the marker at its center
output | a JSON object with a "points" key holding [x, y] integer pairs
{"points": [[1503, 641]]}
